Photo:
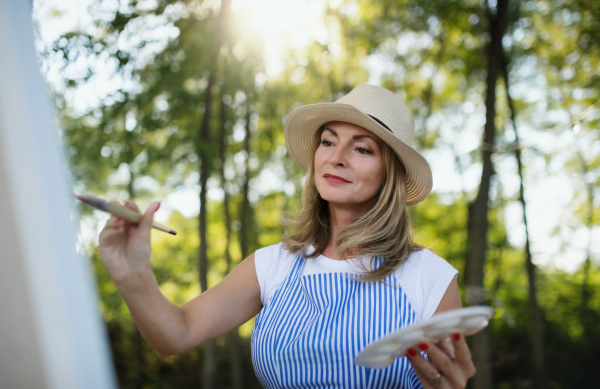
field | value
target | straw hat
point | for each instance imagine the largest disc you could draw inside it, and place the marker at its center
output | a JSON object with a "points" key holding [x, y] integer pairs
{"points": [[375, 109]]}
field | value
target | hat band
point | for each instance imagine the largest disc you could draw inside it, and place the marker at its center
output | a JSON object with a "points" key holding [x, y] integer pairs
{"points": [[380, 122]]}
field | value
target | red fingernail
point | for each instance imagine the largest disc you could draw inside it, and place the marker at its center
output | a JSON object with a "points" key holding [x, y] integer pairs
{"points": [[411, 352], [423, 346], [456, 336]]}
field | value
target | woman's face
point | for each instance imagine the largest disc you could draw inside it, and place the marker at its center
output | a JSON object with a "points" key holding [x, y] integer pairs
{"points": [[349, 166]]}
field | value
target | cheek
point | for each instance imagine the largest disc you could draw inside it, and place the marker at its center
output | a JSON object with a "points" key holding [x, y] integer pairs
{"points": [[318, 159], [377, 175], [376, 184]]}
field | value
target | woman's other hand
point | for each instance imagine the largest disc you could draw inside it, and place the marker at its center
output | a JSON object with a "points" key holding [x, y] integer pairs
{"points": [[124, 246], [442, 369]]}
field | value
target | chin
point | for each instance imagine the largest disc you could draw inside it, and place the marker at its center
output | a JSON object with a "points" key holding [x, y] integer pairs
{"points": [[345, 202], [334, 197]]}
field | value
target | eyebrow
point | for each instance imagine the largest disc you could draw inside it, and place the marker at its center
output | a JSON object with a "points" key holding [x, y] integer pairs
{"points": [[355, 137]]}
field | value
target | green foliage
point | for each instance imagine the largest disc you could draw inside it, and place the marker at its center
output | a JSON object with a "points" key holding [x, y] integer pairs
{"points": [[142, 140], [440, 228]]}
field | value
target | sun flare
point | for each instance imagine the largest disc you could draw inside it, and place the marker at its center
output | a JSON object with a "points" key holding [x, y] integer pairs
{"points": [[277, 16], [281, 25]]}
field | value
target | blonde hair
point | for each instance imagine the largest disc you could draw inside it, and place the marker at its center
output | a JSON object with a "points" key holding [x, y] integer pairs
{"points": [[385, 231]]}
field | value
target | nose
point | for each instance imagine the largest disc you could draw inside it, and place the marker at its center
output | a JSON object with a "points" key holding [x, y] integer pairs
{"points": [[337, 157]]}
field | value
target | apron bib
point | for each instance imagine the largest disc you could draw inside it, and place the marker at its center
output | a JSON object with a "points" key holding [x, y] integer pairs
{"points": [[312, 328]]}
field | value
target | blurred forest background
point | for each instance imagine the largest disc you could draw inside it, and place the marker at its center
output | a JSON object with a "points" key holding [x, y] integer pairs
{"points": [[185, 101]]}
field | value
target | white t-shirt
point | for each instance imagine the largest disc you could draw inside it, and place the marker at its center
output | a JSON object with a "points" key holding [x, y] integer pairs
{"points": [[424, 277]]}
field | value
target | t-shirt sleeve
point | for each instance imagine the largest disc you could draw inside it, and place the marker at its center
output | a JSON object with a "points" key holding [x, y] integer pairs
{"points": [[271, 263], [425, 277]]}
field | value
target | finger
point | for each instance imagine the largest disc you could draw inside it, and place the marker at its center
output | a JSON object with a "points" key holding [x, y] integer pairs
{"points": [[454, 373], [116, 219], [148, 217], [446, 346], [427, 382], [112, 228], [112, 223], [460, 346], [463, 355], [131, 205], [427, 373]]}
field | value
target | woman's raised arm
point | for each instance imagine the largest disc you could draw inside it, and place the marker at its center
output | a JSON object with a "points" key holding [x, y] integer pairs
{"points": [[125, 250]]}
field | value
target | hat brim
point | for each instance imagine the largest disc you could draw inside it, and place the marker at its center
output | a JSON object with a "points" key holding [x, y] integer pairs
{"points": [[302, 124]]}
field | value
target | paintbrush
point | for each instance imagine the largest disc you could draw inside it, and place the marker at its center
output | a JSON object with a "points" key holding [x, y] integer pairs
{"points": [[123, 212]]}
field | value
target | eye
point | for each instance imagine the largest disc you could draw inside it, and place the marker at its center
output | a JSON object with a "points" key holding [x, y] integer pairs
{"points": [[326, 143], [362, 150]]}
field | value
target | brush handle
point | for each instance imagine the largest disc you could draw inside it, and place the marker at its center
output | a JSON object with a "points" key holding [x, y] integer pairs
{"points": [[125, 213], [132, 216], [121, 211]]}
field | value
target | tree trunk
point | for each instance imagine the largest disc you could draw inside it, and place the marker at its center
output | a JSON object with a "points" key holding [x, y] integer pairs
{"points": [[209, 362], [537, 337], [208, 370], [478, 210], [428, 90], [138, 340], [586, 289], [232, 338], [588, 318], [223, 158], [246, 229]]}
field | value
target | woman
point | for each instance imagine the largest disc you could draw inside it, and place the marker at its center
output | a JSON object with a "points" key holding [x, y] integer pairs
{"points": [[346, 273]]}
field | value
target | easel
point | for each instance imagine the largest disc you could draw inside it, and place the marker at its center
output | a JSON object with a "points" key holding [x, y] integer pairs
{"points": [[51, 333]]}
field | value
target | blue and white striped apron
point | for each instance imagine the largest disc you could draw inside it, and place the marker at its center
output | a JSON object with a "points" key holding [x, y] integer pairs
{"points": [[312, 328]]}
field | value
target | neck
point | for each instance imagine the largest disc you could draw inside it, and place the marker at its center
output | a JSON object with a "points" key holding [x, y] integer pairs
{"points": [[339, 219]]}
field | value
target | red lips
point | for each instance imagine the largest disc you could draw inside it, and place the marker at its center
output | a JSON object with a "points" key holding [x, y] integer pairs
{"points": [[330, 178]]}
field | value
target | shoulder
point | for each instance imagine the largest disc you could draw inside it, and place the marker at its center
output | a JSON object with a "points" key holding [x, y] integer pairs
{"points": [[268, 251], [272, 264], [425, 277], [273, 256], [427, 261]]}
